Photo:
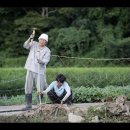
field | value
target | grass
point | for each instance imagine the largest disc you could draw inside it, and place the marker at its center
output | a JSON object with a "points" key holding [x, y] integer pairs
{"points": [[80, 95], [12, 79], [20, 99]]}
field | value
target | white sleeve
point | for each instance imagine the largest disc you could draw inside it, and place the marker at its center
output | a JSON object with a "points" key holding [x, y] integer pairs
{"points": [[51, 86], [67, 88], [46, 58], [27, 44]]}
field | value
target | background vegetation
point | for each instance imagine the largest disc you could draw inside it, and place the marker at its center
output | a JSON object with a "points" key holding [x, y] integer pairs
{"points": [[12, 80], [98, 32], [94, 33]]}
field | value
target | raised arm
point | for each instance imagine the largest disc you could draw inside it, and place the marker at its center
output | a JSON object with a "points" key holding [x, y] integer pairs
{"points": [[27, 44]]}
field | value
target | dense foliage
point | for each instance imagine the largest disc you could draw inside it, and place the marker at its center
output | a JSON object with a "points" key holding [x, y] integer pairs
{"points": [[80, 95], [73, 31], [12, 80]]}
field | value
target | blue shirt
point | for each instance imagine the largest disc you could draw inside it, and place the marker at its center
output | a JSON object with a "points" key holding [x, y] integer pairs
{"points": [[59, 91]]}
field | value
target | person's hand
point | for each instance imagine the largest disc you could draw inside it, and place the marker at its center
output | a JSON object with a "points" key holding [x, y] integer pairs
{"points": [[40, 61], [39, 93], [31, 36], [61, 102]]}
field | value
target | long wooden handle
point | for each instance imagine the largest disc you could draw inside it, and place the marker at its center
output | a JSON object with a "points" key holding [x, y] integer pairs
{"points": [[33, 32], [38, 78]]}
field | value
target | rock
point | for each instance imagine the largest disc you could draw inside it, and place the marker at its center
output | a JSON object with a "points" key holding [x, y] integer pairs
{"points": [[75, 118], [95, 119]]}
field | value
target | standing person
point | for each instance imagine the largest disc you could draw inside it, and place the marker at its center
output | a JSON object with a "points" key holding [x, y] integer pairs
{"points": [[38, 58], [59, 91]]}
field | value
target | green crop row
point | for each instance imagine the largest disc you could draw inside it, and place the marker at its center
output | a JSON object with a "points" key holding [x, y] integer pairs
{"points": [[12, 80]]}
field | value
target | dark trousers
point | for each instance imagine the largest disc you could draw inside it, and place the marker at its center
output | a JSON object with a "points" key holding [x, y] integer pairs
{"points": [[56, 99]]}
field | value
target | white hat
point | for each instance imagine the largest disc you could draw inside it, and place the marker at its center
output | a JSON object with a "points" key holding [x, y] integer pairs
{"points": [[43, 36]]}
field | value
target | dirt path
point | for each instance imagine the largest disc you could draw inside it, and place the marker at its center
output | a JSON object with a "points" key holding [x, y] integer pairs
{"points": [[83, 106]]}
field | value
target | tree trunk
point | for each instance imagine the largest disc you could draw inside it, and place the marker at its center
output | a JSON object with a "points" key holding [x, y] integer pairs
{"points": [[44, 11]]}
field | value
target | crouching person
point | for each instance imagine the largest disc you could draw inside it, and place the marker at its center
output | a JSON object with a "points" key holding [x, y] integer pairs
{"points": [[59, 91]]}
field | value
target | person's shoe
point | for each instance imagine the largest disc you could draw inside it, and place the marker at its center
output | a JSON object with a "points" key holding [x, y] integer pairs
{"points": [[28, 102]]}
